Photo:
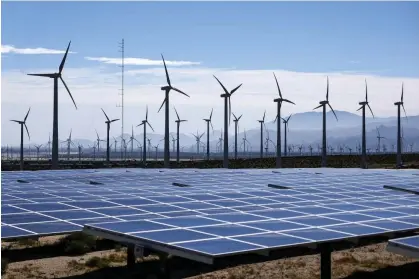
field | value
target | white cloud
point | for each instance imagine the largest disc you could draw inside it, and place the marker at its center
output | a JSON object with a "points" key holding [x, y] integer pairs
{"points": [[140, 61], [93, 88], [38, 50]]}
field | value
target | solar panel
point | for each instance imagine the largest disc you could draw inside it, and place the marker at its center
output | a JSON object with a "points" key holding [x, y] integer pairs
{"points": [[407, 246], [67, 199]]}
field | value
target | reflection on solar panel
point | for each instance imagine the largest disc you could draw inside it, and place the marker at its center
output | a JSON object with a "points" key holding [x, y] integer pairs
{"points": [[345, 201], [407, 246]]}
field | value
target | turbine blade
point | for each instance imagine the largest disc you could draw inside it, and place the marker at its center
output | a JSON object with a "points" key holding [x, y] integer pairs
{"points": [[105, 114], [327, 90], [289, 117], [181, 92], [276, 118], [178, 118], [264, 114], [26, 117], [318, 107], [366, 91], [114, 120], [404, 111], [64, 58], [333, 111], [150, 126], [235, 118], [402, 93], [27, 131], [235, 89], [277, 85], [164, 101], [212, 127], [167, 73], [211, 114], [225, 90], [42, 75], [68, 90], [229, 109], [140, 124], [239, 117], [288, 101], [371, 110], [359, 108], [146, 113]]}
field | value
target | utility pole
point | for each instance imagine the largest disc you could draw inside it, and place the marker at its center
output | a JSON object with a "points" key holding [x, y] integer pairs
{"points": [[122, 51]]}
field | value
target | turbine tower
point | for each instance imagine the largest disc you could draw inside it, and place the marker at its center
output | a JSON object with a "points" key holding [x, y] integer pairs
{"points": [[236, 128], [286, 128], [227, 118], [278, 124], [22, 123], [108, 128], [208, 120], [364, 140], [56, 76], [262, 122], [167, 89], [323, 104], [399, 136], [178, 121], [144, 122], [131, 140], [69, 143], [379, 137]]}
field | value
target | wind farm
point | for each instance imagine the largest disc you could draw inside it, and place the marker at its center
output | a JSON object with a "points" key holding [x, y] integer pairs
{"points": [[210, 140]]}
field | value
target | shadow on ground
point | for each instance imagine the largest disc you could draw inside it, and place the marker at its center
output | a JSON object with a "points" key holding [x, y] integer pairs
{"points": [[406, 271]]}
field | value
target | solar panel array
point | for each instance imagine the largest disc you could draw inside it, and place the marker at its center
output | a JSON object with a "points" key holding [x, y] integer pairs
{"points": [[212, 212], [407, 246]]}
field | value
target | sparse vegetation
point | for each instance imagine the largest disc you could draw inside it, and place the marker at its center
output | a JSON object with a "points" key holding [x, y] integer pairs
{"points": [[78, 243], [98, 262]]}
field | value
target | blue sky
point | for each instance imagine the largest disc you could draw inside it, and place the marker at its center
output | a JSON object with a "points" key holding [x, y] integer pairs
{"points": [[297, 36], [240, 42]]}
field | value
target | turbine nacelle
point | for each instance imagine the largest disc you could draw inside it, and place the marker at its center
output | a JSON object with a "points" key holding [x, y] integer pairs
{"points": [[166, 88], [398, 103], [323, 103], [363, 103]]}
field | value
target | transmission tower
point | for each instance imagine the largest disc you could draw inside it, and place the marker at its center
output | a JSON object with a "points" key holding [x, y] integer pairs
{"points": [[121, 50]]}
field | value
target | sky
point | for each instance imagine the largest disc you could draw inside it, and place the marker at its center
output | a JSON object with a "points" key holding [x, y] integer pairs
{"points": [[239, 42]]}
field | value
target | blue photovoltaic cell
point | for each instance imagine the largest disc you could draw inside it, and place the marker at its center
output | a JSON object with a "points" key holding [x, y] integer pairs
{"points": [[91, 204], [175, 235], [272, 240], [191, 221], [42, 207], [278, 213], [275, 225], [391, 225], [314, 210], [351, 217], [81, 222], [237, 217], [7, 209], [317, 234], [119, 211], [382, 213], [74, 214], [50, 227], [19, 218], [357, 229], [7, 231], [132, 226], [218, 246], [228, 230], [316, 221], [412, 241]]}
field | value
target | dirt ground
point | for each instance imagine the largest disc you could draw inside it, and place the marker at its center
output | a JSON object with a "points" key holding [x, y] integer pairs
{"points": [[372, 262]]}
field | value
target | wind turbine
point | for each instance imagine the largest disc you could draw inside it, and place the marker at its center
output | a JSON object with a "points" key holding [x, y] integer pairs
{"points": [[262, 122], [98, 140], [198, 140], [244, 141], [167, 89], [49, 145], [56, 76], [286, 128], [131, 140], [227, 117], [37, 151], [22, 123], [79, 148], [323, 104], [236, 128], [108, 127], [208, 120], [364, 140], [115, 141], [379, 137], [69, 143], [278, 124], [144, 122], [399, 144], [178, 121]]}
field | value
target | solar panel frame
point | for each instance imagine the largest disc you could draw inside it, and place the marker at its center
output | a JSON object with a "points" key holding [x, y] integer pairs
{"points": [[406, 246]]}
